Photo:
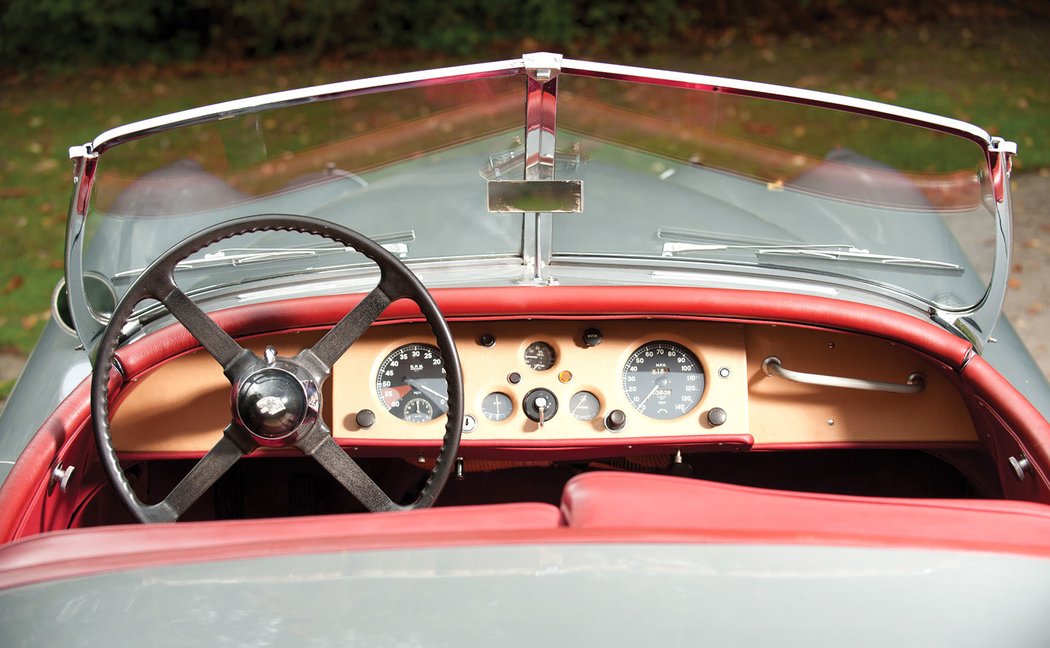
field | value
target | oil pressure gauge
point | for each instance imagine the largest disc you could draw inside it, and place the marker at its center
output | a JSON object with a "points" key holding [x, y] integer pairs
{"points": [[497, 406]]}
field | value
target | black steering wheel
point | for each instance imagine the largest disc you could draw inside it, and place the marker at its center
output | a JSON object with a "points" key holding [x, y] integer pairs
{"points": [[276, 401]]}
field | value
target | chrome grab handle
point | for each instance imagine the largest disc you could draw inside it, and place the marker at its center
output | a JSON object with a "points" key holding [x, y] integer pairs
{"points": [[771, 365]]}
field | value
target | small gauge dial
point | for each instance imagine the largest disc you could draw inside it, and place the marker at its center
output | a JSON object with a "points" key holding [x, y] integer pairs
{"points": [[663, 380], [497, 406], [539, 356], [418, 410], [584, 406], [411, 383]]}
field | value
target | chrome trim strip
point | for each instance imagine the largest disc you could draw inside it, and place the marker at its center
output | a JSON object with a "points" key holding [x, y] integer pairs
{"points": [[776, 92], [773, 367], [342, 89]]}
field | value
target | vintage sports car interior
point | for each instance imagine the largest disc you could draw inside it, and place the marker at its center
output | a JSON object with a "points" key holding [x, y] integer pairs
{"points": [[544, 345]]}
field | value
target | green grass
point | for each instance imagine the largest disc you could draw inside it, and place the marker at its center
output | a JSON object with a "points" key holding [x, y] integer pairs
{"points": [[995, 78]]}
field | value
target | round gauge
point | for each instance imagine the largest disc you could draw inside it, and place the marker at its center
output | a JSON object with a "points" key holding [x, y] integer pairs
{"points": [[663, 380], [417, 410], [411, 383], [584, 406], [539, 356], [497, 406]]}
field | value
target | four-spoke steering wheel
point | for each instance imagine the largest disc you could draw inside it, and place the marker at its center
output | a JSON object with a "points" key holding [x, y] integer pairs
{"points": [[276, 401]]}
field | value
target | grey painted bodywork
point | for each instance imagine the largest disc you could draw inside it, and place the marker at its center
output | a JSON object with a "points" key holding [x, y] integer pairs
{"points": [[603, 595]]}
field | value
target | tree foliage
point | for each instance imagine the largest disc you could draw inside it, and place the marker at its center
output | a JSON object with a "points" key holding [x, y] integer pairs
{"points": [[72, 33]]}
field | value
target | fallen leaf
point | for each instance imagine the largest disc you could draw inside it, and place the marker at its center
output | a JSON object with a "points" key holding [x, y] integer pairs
{"points": [[13, 284], [14, 192], [1036, 308], [1014, 283], [29, 321]]}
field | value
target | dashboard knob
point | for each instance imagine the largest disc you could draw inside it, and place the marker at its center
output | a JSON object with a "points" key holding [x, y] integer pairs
{"points": [[615, 421], [366, 418], [716, 416], [592, 337]]}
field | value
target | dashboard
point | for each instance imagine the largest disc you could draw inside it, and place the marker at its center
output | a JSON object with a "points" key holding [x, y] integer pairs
{"points": [[570, 383]]}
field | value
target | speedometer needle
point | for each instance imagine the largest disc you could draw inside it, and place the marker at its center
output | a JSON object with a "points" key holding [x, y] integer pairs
{"points": [[660, 382]]}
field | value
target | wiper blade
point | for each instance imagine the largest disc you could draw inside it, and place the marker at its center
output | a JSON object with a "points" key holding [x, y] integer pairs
{"points": [[394, 242], [862, 256], [822, 252]]}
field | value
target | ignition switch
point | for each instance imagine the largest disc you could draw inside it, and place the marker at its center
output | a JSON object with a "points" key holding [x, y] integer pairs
{"points": [[540, 405]]}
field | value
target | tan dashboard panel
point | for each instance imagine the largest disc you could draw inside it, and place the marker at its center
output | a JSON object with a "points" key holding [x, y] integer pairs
{"points": [[594, 369], [183, 405], [788, 412]]}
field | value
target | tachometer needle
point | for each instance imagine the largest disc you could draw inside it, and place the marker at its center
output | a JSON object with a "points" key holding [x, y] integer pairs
{"points": [[419, 385]]}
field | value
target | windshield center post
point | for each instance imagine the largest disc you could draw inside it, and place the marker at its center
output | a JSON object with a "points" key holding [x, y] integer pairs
{"points": [[541, 111]]}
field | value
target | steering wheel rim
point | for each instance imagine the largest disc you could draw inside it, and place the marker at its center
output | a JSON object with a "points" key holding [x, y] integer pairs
{"points": [[267, 408]]}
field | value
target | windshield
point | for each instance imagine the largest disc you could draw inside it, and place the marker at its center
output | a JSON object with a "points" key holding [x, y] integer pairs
{"points": [[672, 178], [402, 167], [720, 179]]}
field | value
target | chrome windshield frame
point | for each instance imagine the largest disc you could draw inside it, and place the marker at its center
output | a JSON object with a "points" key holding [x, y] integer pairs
{"points": [[974, 324]]}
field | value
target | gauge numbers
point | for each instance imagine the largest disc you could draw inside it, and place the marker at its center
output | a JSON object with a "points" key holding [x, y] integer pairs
{"points": [[663, 380], [539, 356], [411, 383], [497, 406]]}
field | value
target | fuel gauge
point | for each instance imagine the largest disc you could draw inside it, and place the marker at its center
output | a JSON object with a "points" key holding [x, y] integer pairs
{"points": [[584, 405]]}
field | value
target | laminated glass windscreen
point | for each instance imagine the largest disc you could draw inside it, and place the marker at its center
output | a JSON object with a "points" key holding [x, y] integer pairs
{"points": [[718, 179], [397, 166]]}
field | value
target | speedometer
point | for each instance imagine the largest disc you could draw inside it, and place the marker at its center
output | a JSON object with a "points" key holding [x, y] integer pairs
{"points": [[411, 383], [663, 380]]}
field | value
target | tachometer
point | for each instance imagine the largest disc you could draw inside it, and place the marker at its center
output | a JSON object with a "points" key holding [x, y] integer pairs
{"points": [[411, 383], [663, 380]]}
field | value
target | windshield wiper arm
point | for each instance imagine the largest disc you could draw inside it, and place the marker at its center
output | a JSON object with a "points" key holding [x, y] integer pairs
{"points": [[821, 252], [394, 242]]}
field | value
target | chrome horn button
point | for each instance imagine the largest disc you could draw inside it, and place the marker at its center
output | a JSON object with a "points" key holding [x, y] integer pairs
{"points": [[276, 402]]}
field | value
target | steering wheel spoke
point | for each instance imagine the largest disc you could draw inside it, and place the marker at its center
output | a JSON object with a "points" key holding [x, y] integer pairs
{"points": [[214, 340], [232, 446], [353, 325], [320, 445]]}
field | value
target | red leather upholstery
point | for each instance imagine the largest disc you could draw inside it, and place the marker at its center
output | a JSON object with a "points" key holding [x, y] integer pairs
{"points": [[716, 512], [80, 552]]}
